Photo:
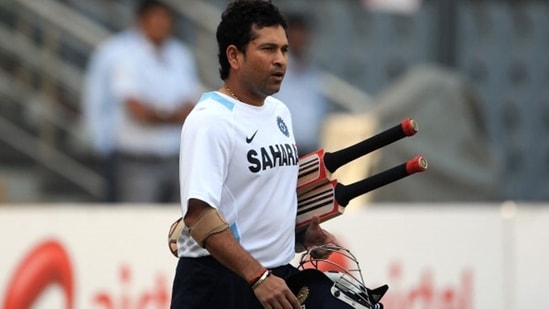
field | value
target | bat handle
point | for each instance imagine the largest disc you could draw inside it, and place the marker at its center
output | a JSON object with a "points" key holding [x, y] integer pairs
{"points": [[345, 193], [336, 159], [416, 165]]}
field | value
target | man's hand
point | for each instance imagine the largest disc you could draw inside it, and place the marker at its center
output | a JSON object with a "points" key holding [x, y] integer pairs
{"points": [[316, 236], [274, 293]]}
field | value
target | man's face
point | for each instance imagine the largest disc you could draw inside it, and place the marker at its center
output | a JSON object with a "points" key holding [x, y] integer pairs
{"points": [[157, 24], [264, 64]]}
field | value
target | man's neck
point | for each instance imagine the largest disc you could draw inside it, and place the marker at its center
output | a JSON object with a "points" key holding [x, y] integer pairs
{"points": [[232, 90]]}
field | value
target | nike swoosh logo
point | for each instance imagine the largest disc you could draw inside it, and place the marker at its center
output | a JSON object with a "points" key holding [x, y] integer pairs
{"points": [[251, 138]]}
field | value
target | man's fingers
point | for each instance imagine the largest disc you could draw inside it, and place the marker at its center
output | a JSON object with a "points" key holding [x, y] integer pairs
{"points": [[314, 235], [315, 222], [289, 302], [314, 227], [293, 302], [274, 293], [286, 301]]}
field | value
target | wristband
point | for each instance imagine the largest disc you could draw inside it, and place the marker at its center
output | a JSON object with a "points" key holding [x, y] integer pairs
{"points": [[254, 279], [256, 282]]}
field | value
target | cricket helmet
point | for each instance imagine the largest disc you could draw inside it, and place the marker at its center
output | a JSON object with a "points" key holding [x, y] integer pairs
{"points": [[330, 277]]}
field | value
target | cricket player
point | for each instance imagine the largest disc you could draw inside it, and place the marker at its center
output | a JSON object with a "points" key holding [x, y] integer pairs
{"points": [[238, 175]]}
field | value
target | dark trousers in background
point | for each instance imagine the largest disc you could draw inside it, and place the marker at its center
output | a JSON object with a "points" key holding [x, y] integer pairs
{"points": [[108, 166], [147, 179]]}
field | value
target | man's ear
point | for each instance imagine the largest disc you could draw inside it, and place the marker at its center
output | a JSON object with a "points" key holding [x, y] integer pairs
{"points": [[234, 57]]}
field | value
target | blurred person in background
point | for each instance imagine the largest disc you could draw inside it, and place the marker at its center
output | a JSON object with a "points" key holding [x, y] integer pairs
{"points": [[301, 89], [99, 105], [140, 87]]}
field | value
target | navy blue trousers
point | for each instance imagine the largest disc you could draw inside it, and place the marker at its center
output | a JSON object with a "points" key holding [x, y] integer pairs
{"points": [[203, 283]]}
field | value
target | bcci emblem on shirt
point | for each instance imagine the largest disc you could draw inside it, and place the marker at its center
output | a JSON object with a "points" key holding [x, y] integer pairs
{"points": [[282, 126]]}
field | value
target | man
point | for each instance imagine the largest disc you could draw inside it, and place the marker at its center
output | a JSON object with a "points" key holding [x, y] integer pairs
{"points": [[152, 83], [301, 90], [99, 105], [238, 174]]}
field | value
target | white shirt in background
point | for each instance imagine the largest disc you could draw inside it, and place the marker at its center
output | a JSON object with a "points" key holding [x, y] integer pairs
{"points": [[164, 79]]}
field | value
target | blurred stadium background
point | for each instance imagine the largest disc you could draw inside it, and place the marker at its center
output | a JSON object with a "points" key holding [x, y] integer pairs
{"points": [[497, 49], [473, 73]]}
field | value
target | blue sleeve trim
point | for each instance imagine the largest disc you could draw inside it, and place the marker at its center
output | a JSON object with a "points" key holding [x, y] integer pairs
{"points": [[217, 98]]}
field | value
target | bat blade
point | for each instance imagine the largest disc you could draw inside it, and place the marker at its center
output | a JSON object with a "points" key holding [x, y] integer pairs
{"points": [[319, 202], [329, 199], [312, 171]]}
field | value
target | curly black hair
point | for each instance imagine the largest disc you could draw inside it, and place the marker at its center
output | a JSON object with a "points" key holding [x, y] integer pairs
{"points": [[236, 26]]}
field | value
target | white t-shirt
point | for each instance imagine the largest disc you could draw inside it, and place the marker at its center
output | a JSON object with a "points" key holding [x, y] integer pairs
{"points": [[242, 160], [163, 79], [99, 103]]}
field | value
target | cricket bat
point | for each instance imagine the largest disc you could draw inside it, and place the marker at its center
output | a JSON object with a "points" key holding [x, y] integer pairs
{"points": [[315, 170], [328, 199], [317, 167]]}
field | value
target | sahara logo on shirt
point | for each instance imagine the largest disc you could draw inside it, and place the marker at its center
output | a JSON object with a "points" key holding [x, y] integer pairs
{"points": [[272, 156]]}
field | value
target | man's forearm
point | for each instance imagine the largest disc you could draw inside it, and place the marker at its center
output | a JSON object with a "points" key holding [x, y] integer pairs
{"points": [[227, 251], [146, 114], [222, 245]]}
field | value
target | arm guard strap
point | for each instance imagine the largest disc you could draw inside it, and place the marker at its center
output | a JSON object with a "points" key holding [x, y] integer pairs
{"points": [[210, 222]]}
